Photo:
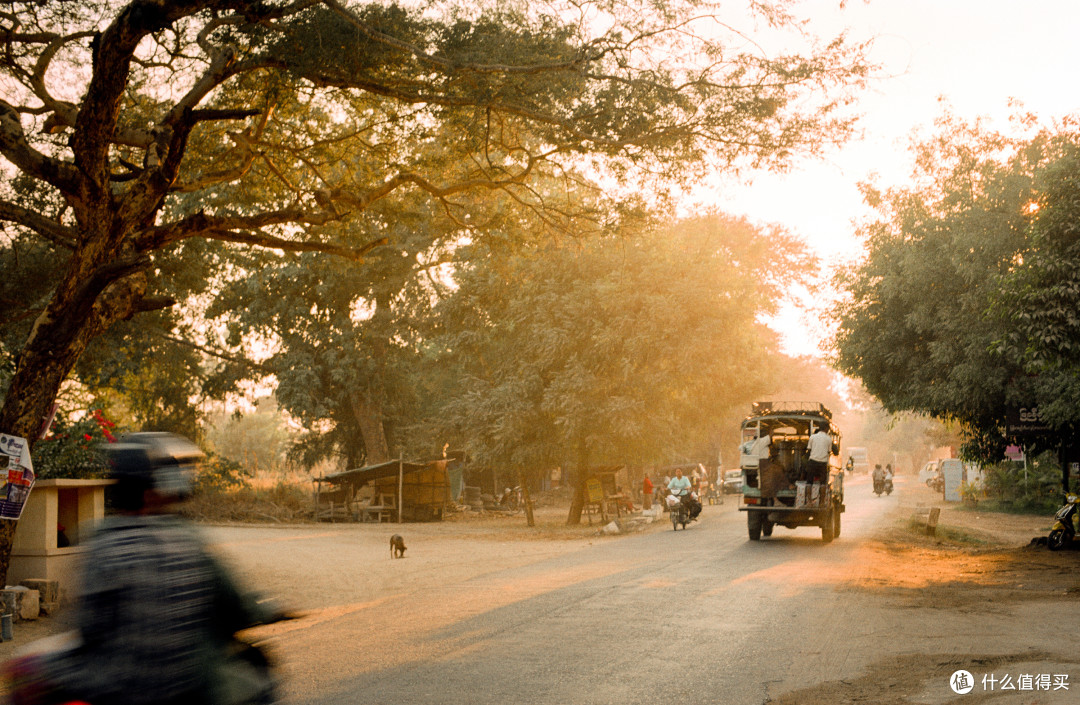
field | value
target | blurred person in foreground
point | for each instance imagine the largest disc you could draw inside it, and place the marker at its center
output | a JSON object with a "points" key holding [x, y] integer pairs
{"points": [[157, 614]]}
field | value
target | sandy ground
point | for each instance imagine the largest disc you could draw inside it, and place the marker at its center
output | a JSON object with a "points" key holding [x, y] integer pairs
{"points": [[980, 563], [1011, 604], [464, 546]]}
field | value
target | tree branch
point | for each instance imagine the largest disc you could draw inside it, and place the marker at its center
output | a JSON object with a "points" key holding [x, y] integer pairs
{"points": [[66, 112], [48, 228], [98, 114], [14, 146], [246, 230], [227, 357], [259, 239], [362, 201]]}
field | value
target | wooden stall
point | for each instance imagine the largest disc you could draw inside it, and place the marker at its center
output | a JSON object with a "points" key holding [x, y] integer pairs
{"points": [[393, 491], [601, 494]]}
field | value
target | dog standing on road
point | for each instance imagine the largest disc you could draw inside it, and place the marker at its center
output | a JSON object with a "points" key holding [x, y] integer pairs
{"points": [[397, 546]]}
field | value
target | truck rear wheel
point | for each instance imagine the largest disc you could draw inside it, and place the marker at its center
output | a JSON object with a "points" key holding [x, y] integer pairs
{"points": [[827, 526], [767, 527], [836, 523], [753, 525]]}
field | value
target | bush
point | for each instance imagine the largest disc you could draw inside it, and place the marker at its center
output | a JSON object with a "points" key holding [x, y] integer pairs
{"points": [[218, 474], [74, 448], [282, 502], [1038, 492], [970, 492]]}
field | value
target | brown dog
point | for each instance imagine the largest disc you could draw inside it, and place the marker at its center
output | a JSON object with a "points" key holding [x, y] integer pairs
{"points": [[397, 546]]}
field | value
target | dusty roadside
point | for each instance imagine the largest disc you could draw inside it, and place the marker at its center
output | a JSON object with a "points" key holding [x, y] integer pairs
{"points": [[979, 581], [976, 597], [349, 564]]}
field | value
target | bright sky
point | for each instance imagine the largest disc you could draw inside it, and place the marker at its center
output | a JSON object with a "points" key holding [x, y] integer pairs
{"points": [[975, 54]]}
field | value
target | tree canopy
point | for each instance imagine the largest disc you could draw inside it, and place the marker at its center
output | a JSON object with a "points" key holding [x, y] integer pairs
{"points": [[950, 314], [148, 135], [612, 350], [152, 145]]}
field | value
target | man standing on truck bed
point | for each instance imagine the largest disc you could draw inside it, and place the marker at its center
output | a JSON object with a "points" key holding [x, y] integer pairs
{"points": [[819, 445]]}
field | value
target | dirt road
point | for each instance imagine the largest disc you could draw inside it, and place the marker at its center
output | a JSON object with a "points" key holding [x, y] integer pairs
{"points": [[476, 615], [491, 612]]}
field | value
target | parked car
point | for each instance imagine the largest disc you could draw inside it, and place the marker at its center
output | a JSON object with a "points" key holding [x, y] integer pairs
{"points": [[929, 472], [733, 481]]}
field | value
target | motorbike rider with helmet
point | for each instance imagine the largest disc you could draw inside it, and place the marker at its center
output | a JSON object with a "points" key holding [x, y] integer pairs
{"points": [[680, 487], [879, 479], [157, 614]]}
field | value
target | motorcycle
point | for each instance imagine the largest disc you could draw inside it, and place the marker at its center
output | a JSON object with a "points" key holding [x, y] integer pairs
{"points": [[678, 511], [883, 485], [1063, 531], [511, 499], [246, 671]]}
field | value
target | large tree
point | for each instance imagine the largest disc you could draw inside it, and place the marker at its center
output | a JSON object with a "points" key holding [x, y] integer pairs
{"points": [[140, 134], [346, 336], [1040, 296], [952, 311], [612, 350]]}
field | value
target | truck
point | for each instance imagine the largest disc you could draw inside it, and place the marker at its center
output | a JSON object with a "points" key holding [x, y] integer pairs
{"points": [[777, 486]]}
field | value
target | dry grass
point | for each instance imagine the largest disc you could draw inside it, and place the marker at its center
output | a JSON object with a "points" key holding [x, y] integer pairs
{"points": [[292, 502], [279, 503]]}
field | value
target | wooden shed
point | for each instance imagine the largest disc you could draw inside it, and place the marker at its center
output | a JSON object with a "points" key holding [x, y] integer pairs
{"points": [[391, 491]]}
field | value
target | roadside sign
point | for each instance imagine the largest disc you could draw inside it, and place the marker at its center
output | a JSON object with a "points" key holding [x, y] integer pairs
{"points": [[1025, 421], [16, 476], [595, 489]]}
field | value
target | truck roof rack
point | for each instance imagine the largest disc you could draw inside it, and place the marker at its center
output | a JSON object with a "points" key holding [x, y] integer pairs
{"points": [[766, 408]]}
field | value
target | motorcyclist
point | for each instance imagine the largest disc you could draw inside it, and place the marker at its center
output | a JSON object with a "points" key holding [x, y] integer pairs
{"points": [[157, 614], [680, 487], [879, 479]]}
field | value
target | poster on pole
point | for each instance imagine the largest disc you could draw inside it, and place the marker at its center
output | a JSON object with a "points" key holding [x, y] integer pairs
{"points": [[17, 477]]}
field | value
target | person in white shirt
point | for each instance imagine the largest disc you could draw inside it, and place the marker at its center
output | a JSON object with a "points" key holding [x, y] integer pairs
{"points": [[819, 447]]}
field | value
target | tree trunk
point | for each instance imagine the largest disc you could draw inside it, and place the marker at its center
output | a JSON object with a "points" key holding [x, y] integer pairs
{"points": [[370, 421], [581, 475], [523, 480], [83, 307]]}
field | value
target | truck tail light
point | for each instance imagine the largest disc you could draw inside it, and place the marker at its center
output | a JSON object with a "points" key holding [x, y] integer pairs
{"points": [[750, 500]]}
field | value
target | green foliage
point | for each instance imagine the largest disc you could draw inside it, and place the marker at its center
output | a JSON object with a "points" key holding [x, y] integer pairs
{"points": [[925, 317], [73, 449], [376, 121], [1041, 295], [970, 492], [1036, 491], [630, 348], [259, 441], [347, 335], [217, 474]]}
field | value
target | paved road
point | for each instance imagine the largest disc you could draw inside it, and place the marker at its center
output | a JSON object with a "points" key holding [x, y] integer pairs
{"points": [[695, 616]]}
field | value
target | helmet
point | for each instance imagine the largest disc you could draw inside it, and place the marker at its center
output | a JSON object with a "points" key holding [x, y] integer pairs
{"points": [[154, 461]]}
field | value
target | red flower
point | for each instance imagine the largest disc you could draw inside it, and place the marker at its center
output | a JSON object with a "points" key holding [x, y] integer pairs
{"points": [[88, 437]]}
